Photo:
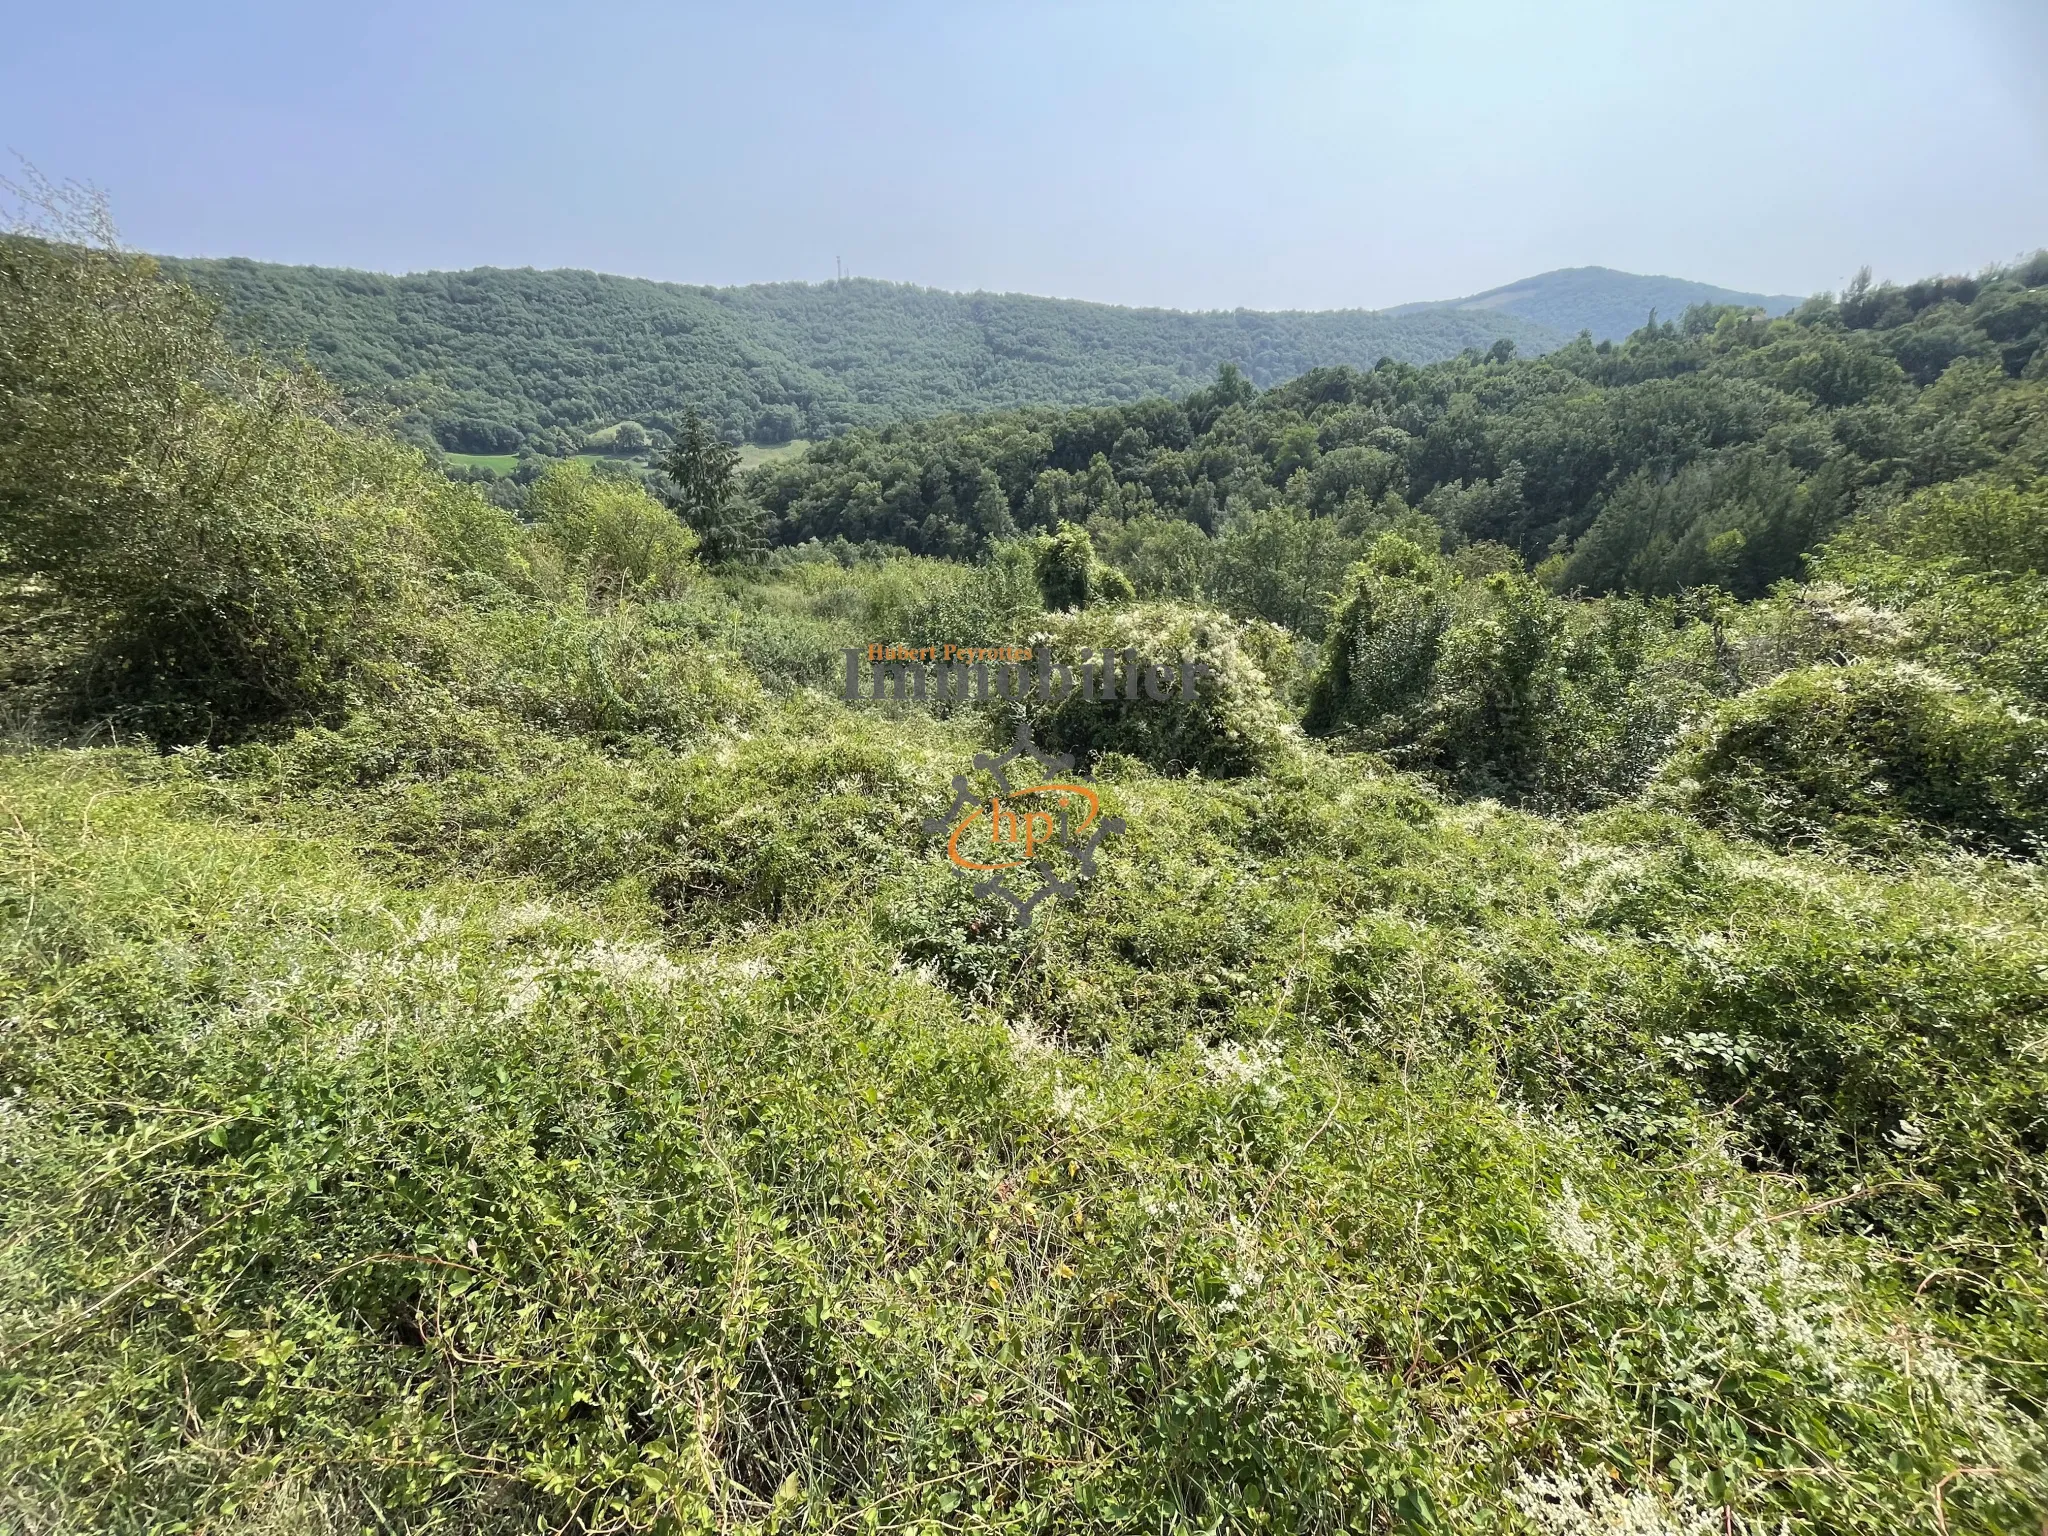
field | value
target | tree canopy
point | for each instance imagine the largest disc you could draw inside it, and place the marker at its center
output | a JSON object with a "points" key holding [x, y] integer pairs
{"points": [[492, 361], [1716, 449]]}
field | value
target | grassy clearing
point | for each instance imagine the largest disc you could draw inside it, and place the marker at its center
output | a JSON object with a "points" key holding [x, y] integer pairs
{"points": [[752, 454], [497, 463]]}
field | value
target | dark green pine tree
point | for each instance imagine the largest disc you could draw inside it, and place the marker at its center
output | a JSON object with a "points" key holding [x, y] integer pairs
{"points": [[702, 472]]}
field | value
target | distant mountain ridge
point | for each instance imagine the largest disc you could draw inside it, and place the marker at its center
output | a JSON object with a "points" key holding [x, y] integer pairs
{"points": [[492, 360], [1608, 303]]}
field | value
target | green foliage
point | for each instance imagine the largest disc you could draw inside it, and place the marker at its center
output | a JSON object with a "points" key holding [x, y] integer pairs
{"points": [[701, 481], [792, 622], [1498, 694], [604, 675], [333, 1200], [1065, 563], [1281, 565], [1001, 597], [201, 554], [560, 1085], [1868, 755], [1960, 576], [1717, 452], [489, 361], [1738, 521], [1069, 575], [1232, 725], [1984, 528], [1163, 557], [1379, 657], [1498, 686], [613, 536]]}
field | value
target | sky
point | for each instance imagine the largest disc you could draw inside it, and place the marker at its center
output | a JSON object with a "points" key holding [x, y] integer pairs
{"points": [[1266, 156]]}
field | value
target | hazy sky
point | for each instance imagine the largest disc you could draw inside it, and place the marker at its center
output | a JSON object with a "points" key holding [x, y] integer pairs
{"points": [[1262, 155]]}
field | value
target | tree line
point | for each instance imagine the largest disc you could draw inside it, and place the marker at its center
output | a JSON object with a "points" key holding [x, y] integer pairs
{"points": [[494, 362], [1714, 450]]}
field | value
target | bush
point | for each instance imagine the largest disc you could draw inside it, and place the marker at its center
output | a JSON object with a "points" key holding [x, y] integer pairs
{"points": [[605, 675], [1872, 755], [1497, 685], [1280, 564], [1974, 526], [206, 553], [1379, 656], [997, 601], [1164, 556], [1496, 706], [1070, 576], [611, 534], [1960, 573], [1232, 726], [794, 622]]}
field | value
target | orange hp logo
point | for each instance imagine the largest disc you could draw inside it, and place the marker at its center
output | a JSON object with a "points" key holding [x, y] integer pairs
{"points": [[1033, 828], [1028, 843]]}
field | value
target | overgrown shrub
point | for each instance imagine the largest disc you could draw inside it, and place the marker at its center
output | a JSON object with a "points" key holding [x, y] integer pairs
{"points": [[1961, 574], [1070, 575], [468, 1205], [604, 674], [1281, 564], [613, 537], [1380, 654], [792, 625], [206, 553], [1232, 725], [1498, 686], [992, 605], [1165, 557], [1979, 526], [1871, 755]]}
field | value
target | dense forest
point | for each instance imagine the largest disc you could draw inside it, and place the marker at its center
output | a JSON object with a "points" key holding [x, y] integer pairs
{"points": [[1714, 449], [492, 361], [489, 1044]]}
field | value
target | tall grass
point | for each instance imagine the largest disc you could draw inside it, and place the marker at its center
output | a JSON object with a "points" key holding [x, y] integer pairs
{"points": [[1342, 1160]]}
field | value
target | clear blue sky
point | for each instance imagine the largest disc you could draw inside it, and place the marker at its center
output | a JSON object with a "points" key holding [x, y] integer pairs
{"points": [[1261, 155]]}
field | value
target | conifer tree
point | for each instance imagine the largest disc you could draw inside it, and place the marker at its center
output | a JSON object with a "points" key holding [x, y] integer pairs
{"points": [[702, 472]]}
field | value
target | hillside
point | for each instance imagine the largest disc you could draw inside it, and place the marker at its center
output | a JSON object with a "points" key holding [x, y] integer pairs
{"points": [[488, 361], [1608, 303], [493, 1041], [1714, 449]]}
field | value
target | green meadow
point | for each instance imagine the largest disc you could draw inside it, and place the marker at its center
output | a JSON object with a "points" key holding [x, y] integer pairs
{"points": [[496, 463], [753, 454], [750, 456]]}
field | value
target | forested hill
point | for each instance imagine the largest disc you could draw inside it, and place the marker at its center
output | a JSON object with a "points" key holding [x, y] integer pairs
{"points": [[491, 361], [1607, 303], [1714, 448]]}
